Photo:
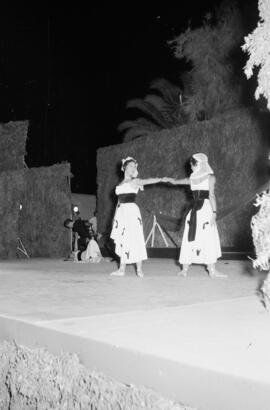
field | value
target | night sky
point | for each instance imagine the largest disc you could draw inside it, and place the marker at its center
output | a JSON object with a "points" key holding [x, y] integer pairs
{"points": [[71, 71]]}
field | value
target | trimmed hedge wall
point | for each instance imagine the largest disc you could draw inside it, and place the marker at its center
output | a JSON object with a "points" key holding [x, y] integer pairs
{"points": [[13, 137], [44, 194], [46, 203], [236, 144], [12, 186]]}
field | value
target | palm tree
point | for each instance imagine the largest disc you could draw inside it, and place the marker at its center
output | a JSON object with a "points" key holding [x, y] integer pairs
{"points": [[162, 109]]}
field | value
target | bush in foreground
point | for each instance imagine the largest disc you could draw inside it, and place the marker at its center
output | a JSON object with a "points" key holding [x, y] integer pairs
{"points": [[37, 379]]}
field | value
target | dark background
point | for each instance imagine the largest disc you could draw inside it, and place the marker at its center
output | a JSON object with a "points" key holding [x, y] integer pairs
{"points": [[71, 70]]}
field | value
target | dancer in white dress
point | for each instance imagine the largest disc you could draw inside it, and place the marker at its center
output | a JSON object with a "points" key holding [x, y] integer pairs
{"points": [[200, 243], [127, 230]]}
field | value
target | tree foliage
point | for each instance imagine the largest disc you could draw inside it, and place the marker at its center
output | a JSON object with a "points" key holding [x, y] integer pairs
{"points": [[260, 226], [212, 86], [162, 109], [257, 45], [212, 49]]}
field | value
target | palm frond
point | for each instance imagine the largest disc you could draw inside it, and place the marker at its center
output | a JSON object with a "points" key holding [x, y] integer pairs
{"points": [[134, 133], [138, 122], [148, 109], [157, 101], [169, 92], [162, 109]]}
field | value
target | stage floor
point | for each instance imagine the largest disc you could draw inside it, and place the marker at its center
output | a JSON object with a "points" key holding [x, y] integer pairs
{"points": [[199, 337]]}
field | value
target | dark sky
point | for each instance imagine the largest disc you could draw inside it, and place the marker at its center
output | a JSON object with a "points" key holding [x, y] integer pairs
{"points": [[70, 72]]}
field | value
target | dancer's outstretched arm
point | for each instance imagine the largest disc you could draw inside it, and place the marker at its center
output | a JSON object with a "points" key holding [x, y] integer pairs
{"points": [[183, 181], [148, 181]]}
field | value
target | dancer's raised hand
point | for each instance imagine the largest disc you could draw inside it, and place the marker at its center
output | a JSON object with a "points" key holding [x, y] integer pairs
{"points": [[167, 179]]}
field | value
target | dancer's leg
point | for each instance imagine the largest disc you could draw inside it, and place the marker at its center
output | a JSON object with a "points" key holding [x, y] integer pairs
{"points": [[184, 270], [121, 271], [213, 273], [139, 269]]}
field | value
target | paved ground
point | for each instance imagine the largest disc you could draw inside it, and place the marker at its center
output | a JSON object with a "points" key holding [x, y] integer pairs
{"points": [[218, 325], [50, 289]]}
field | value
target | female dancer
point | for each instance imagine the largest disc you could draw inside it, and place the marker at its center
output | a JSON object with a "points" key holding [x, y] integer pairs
{"points": [[200, 242], [127, 231]]}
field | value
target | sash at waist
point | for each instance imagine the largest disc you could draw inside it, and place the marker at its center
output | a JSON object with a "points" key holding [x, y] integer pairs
{"points": [[197, 203], [126, 198], [200, 194]]}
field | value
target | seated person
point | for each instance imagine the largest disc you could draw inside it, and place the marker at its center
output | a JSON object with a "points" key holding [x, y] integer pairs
{"points": [[88, 248], [82, 228], [91, 254], [103, 239]]}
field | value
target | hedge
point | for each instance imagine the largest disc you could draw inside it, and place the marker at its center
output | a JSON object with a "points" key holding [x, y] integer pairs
{"points": [[45, 200], [13, 137], [236, 144], [12, 186]]}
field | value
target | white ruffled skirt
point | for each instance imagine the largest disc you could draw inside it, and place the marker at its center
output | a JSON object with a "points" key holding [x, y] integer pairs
{"points": [[127, 233], [205, 249]]}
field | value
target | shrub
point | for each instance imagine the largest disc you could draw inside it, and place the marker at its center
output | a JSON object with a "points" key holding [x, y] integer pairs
{"points": [[235, 144], [12, 145], [36, 379], [44, 194]]}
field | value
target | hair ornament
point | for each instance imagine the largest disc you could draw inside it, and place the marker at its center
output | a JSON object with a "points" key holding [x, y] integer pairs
{"points": [[124, 160]]}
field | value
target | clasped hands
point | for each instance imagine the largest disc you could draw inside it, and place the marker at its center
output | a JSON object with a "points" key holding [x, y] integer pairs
{"points": [[167, 179]]}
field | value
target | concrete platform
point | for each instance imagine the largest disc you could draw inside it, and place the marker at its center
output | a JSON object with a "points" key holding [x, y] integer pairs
{"points": [[199, 340]]}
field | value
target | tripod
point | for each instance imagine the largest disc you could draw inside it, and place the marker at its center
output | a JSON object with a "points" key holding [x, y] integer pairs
{"points": [[153, 230], [21, 248]]}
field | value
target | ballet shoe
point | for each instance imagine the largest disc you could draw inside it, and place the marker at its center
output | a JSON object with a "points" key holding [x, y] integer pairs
{"points": [[213, 273], [118, 273], [140, 274], [183, 273]]}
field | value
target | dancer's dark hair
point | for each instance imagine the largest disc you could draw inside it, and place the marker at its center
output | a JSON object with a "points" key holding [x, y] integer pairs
{"points": [[193, 161], [128, 161]]}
